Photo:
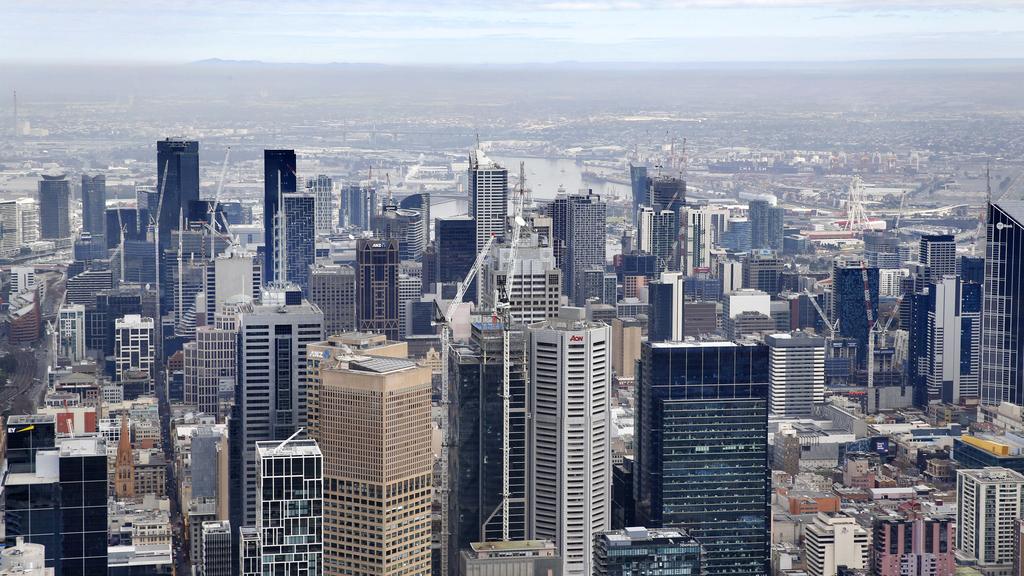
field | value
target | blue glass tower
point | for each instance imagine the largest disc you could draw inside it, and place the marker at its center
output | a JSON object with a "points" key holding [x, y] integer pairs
{"points": [[178, 162], [455, 238], [702, 449], [1002, 337], [300, 237], [278, 170], [848, 304]]}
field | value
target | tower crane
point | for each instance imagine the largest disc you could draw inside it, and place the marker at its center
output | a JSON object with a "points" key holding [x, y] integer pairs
{"points": [[216, 200], [829, 325], [503, 310], [446, 336]]}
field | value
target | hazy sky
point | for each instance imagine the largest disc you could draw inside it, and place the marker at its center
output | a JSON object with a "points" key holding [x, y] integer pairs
{"points": [[497, 31]]}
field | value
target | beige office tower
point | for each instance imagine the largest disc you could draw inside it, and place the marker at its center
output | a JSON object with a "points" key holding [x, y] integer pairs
{"points": [[339, 346], [375, 432]]}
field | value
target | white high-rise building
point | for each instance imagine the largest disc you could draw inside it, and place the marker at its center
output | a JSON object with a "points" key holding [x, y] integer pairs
{"points": [[71, 329], [289, 488], [325, 216], [731, 273], [988, 506], [488, 197], [270, 395], [569, 434], [410, 289], [134, 346], [235, 273], [944, 339], [209, 367], [536, 286], [28, 215], [23, 279], [796, 373], [833, 541]]}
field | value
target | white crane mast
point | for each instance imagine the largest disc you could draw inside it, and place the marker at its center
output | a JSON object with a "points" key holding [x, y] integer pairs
{"points": [[503, 309], [446, 335]]}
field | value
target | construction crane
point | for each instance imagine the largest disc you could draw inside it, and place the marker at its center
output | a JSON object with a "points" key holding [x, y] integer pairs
{"points": [[869, 314], [503, 310], [829, 325], [873, 331], [213, 205], [446, 336]]}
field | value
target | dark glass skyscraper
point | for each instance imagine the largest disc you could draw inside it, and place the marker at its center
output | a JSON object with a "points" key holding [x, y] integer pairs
{"points": [[377, 286], [56, 494], [1002, 336], [639, 183], [702, 449], [94, 203], [54, 198], [476, 457], [299, 238], [848, 304], [766, 225], [177, 161], [455, 239], [278, 169]]}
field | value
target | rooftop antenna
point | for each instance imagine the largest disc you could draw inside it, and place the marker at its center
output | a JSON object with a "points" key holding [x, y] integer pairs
{"points": [[477, 140], [15, 114]]}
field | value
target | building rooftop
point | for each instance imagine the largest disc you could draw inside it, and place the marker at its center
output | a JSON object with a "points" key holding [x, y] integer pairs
{"points": [[299, 447], [380, 364], [993, 474]]}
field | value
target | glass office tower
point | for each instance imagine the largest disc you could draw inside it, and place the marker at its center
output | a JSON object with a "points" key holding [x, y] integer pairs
{"points": [[702, 449]]}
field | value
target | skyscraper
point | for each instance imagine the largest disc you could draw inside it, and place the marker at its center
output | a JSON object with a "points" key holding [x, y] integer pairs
{"points": [[796, 365], [766, 225], [656, 234], [666, 321], [270, 396], [536, 285], [455, 239], [1002, 336], [358, 206], [177, 164], [989, 500], [762, 270], [55, 494], [216, 548], [569, 484], [71, 330], [299, 240], [702, 449], [938, 254], [377, 286], [54, 209], [584, 241], [476, 461], [209, 365], [279, 174], [134, 347], [322, 188], [951, 351], [848, 305], [378, 465], [94, 204], [488, 197], [640, 187], [332, 288], [289, 489]]}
